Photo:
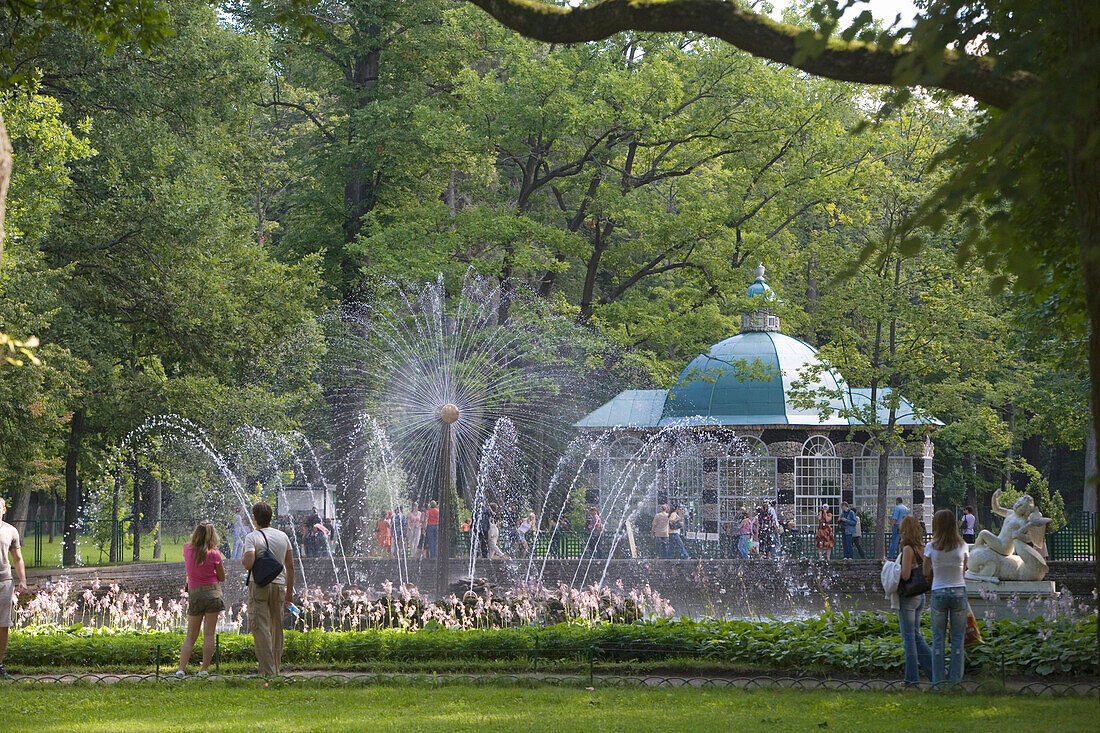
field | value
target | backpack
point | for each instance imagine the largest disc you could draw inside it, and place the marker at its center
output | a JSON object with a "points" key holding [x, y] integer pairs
{"points": [[266, 567]]}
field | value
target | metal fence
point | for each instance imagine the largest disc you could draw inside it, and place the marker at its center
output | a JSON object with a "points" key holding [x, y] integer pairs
{"points": [[1075, 541], [106, 542]]}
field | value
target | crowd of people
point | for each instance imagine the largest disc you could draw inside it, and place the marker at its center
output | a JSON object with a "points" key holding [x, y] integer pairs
{"points": [[413, 534]]}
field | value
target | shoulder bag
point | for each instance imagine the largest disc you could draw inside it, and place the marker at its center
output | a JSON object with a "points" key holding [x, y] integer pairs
{"points": [[916, 585], [266, 567]]}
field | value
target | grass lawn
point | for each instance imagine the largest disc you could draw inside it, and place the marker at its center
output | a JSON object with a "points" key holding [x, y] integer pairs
{"points": [[216, 706]]}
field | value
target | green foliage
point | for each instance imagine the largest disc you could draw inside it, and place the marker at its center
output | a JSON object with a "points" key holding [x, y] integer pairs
{"points": [[859, 643]]}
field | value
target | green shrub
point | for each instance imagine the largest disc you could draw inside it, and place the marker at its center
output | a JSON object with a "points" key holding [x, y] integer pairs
{"points": [[860, 643]]}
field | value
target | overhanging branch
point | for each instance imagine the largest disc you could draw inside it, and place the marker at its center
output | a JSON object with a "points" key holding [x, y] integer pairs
{"points": [[852, 61]]}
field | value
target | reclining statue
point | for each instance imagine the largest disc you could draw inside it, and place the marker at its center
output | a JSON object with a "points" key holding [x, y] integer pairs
{"points": [[1016, 553]]}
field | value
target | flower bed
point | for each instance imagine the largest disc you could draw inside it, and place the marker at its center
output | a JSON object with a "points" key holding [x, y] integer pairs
{"points": [[864, 644]]}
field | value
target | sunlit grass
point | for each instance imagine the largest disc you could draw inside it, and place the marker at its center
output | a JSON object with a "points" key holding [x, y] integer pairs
{"points": [[217, 706]]}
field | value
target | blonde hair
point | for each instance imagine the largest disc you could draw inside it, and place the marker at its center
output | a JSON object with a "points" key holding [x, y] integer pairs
{"points": [[203, 539], [910, 534], [945, 531]]}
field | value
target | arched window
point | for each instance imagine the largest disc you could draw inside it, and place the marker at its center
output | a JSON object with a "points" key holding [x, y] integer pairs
{"points": [[684, 484], [899, 480], [627, 476], [746, 478], [817, 480]]}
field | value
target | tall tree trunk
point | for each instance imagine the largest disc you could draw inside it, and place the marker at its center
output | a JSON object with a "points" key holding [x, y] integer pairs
{"points": [[20, 510], [158, 499], [72, 489], [344, 397], [1030, 451], [1084, 176], [135, 511], [1088, 495], [6, 161], [116, 492]]}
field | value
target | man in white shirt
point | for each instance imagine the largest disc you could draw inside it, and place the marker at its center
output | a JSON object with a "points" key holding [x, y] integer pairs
{"points": [[266, 603], [659, 532], [9, 544]]}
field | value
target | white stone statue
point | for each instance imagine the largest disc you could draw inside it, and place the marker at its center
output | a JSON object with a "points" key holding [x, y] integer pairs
{"points": [[1018, 552]]}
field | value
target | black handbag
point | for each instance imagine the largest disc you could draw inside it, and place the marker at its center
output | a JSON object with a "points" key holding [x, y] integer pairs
{"points": [[916, 585], [266, 567]]}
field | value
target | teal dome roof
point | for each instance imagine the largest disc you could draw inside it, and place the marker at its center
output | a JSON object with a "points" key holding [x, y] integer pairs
{"points": [[746, 380], [759, 287]]}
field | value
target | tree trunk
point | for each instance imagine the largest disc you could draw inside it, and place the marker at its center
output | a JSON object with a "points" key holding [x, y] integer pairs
{"points": [[1031, 450], [112, 554], [135, 510], [158, 496], [6, 161], [344, 397], [1084, 176], [20, 510], [72, 489], [1088, 495]]}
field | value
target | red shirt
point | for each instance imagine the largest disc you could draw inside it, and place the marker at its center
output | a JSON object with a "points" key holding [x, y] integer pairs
{"points": [[433, 516], [204, 574]]}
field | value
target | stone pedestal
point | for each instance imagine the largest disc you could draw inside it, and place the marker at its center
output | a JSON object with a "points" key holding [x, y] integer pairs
{"points": [[1010, 598]]}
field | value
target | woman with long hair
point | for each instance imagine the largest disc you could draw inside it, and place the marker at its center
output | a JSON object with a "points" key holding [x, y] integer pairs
{"points": [[918, 655], [945, 560], [824, 540], [205, 573]]}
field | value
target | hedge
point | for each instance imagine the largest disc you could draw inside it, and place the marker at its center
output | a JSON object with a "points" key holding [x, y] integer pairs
{"points": [[859, 643]]}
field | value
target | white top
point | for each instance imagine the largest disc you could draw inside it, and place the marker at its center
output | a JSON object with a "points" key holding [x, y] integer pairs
{"points": [[947, 567], [277, 541]]}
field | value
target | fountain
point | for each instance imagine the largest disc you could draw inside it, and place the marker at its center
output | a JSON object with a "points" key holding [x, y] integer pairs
{"points": [[473, 394]]}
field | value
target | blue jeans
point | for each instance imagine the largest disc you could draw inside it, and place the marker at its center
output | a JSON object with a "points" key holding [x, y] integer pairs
{"points": [[676, 549], [949, 608], [660, 547], [849, 551], [743, 546], [917, 651], [433, 540], [894, 537]]}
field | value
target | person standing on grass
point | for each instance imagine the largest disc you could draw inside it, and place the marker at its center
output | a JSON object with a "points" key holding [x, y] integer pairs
{"points": [[676, 548], [205, 573], [918, 655], [848, 524], [238, 528], [266, 603], [659, 532], [525, 525], [900, 512], [9, 591], [945, 560], [857, 534], [382, 532], [968, 525], [744, 542], [415, 517], [824, 540], [594, 525], [432, 529]]}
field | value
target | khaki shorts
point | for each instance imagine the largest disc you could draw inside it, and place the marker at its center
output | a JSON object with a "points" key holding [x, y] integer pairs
{"points": [[204, 599], [7, 597]]}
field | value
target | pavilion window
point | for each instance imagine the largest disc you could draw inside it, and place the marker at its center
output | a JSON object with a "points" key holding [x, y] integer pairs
{"points": [[817, 480]]}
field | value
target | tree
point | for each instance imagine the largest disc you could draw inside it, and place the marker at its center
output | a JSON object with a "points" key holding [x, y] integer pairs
{"points": [[164, 294], [1040, 70]]}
